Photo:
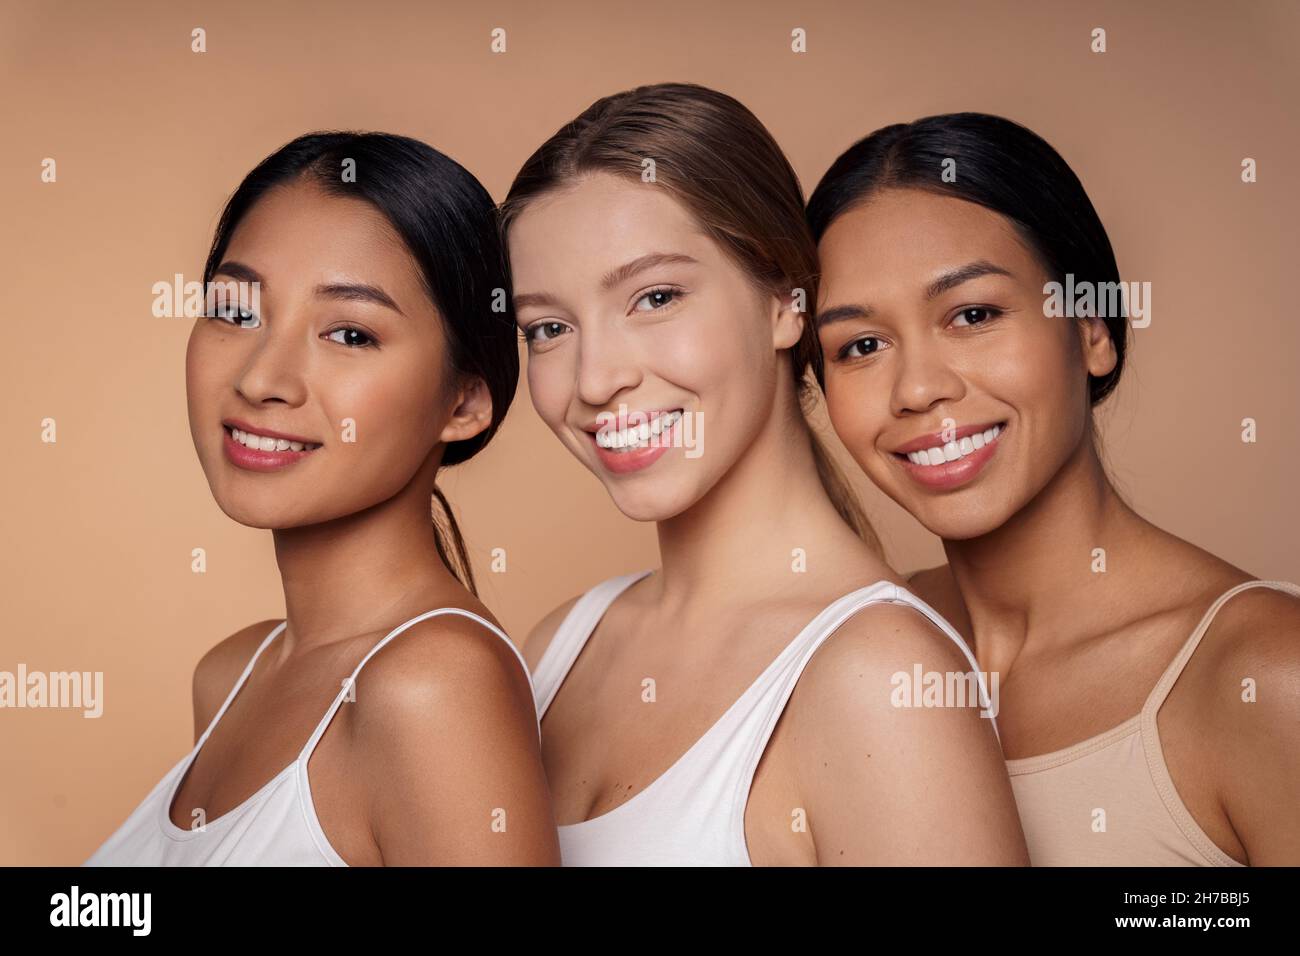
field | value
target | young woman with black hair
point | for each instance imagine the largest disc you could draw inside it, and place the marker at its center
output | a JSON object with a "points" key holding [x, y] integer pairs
{"points": [[735, 706], [373, 358], [1150, 692]]}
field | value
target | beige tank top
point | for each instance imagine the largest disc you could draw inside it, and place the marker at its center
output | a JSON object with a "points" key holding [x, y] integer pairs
{"points": [[1109, 800]]}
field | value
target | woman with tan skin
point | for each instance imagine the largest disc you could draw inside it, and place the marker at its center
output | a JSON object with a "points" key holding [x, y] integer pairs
{"points": [[1150, 692], [699, 714], [324, 413]]}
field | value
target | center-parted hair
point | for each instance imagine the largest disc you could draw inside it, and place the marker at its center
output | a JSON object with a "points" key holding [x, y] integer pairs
{"points": [[447, 222], [714, 157], [1001, 166]]}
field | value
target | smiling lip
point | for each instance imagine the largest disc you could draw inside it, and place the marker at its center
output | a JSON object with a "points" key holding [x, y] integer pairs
{"points": [[939, 439], [255, 459], [950, 474], [611, 419], [258, 430], [625, 462]]}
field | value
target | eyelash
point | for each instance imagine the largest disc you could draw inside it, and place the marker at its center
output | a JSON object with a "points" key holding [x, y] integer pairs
{"points": [[245, 315], [370, 344], [530, 334], [223, 316], [993, 313], [664, 289]]}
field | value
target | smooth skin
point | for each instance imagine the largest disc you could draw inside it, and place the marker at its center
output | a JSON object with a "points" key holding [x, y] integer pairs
{"points": [[625, 301], [1077, 652], [442, 735]]}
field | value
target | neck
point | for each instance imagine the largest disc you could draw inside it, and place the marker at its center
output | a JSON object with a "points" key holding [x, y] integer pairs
{"points": [[1034, 575], [354, 574], [736, 544]]}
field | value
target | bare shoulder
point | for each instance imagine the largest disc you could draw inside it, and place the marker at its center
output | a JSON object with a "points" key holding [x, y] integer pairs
{"points": [[1244, 680], [219, 668], [445, 669], [539, 638], [444, 736], [858, 743], [855, 666], [1254, 642]]}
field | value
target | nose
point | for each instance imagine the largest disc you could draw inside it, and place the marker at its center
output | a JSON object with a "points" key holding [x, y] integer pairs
{"points": [[924, 378], [607, 364], [275, 369]]}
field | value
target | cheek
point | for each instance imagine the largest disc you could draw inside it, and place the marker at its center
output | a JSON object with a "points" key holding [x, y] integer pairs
{"points": [[550, 385], [1038, 372], [856, 411], [395, 412], [722, 354], [208, 374]]}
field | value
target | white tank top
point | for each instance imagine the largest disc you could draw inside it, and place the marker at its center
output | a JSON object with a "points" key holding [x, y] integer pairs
{"points": [[276, 826], [694, 813]]}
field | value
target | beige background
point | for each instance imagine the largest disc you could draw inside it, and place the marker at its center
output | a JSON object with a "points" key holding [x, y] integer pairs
{"points": [[150, 138]]}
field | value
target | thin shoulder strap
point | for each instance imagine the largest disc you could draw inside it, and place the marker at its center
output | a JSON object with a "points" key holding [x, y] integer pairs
{"points": [[572, 634], [348, 684], [248, 669], [800, 651], [779, 681], [989, 707], [895, 594], [1175, 668]]}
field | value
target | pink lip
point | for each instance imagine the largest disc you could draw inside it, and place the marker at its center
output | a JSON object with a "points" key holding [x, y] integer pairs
{"points": [[241, 456], [624, 462], [952, 474]]}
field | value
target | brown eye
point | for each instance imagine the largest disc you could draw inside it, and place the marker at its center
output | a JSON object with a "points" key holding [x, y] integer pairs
{"points": [[658, 299], [974, 315], [354, 338], [544, 331], [234, 315], [860, 348]]}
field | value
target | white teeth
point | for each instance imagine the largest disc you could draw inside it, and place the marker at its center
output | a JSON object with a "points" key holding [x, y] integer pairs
{"points": [[951, 451], [266, 443], [635, 436]]}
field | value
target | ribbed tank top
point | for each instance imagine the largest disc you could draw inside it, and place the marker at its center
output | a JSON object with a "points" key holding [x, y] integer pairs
{"points": [[1122, 773], [276, 826], [693, 814]]}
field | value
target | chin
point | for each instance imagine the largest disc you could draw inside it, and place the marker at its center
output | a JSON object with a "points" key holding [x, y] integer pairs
{"points": [[657, 504], [953, 521], [266, 519]]}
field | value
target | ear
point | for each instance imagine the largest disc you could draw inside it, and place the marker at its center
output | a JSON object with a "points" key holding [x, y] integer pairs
{"points": [[788, 317], [472, 412], [1099, 355]]}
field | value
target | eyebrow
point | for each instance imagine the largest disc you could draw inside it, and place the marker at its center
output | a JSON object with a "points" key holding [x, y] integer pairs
{"points": [[342, 291], [949, 280], [614, 276], [954, 278]]}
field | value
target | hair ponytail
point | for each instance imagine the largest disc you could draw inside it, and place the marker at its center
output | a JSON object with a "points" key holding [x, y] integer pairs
{"points": [[450, 542]]}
